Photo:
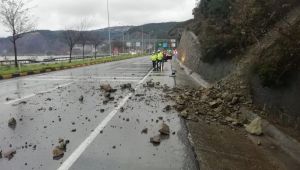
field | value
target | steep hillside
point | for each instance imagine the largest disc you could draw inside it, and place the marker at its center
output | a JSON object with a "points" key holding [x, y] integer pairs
{"points": [[250, 48]]}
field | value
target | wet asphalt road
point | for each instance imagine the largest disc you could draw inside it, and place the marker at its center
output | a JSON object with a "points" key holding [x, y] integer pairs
{"points": [[47, 108]]}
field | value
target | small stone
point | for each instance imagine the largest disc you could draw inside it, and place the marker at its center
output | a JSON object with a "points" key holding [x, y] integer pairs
{"points": [[73, 130], [184, 114], [107, 88], [165, 130], [12, 122], [258, 142], [62, 146], [81, 98], [235, 100], [214, 104], [57, 153], [155, 139], [9, 154], [167, 108], [126, 86], [145, 131]]}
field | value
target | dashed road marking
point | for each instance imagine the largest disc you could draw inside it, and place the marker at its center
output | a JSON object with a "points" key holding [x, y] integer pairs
{"points": [[34, 94], [83, 146]]}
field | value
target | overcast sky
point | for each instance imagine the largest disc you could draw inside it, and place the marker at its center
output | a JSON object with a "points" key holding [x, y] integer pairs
{"points": [[58, 14]]}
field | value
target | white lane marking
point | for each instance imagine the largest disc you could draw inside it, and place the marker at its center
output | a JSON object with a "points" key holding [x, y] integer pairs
{"points": [[90, 77], [84, 80], [129, 68], [41, 92], [83, 146]]}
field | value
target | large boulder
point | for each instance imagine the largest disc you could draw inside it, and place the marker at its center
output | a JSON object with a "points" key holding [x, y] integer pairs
{"points": [[255, 127]]}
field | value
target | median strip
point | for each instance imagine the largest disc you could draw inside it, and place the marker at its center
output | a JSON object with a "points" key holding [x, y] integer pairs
{"points": [[12, 72]]}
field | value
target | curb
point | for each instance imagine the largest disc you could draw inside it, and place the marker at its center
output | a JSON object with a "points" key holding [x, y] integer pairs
{"points": [[197, 77], [24, 74], [285, 142], [15, 75]]}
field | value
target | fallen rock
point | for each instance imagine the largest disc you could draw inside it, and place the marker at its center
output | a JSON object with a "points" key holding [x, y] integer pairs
{"points": [[145, 131], [57, 153], [184, 114], [150, 84], [167, 108], [165, 130], [9, 99], [126, 86], [255, 127], [214, 104], [9, 154], [81, 98], [107, 88], [235, 100], [155, 140], [12, 122]]}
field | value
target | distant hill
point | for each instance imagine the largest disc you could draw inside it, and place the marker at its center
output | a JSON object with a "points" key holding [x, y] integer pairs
{"points": [[46, 42]]}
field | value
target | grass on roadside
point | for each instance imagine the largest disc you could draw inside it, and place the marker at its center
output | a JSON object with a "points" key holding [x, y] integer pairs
{"points": [[31, 68]]}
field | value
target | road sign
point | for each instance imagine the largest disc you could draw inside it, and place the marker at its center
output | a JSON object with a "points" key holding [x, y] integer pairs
{"points": [[128, 44]]}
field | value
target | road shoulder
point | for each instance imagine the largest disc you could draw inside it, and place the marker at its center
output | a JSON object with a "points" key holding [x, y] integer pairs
{"points": [[218, 146]]}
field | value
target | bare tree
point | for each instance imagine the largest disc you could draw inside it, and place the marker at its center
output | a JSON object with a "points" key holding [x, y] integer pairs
{"points": [[71, 38], [84, 35], [95, 40], [15, 16]]}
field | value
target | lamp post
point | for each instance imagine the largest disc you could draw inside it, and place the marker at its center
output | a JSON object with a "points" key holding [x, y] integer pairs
{"points": [[142, 39], [108, 23]]}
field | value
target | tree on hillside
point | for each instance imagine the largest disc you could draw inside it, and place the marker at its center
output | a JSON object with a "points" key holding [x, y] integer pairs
{"points": [[15, 16], [71, 38], [95, 40]]}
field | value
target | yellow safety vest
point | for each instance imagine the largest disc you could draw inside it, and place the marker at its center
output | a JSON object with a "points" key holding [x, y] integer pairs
{"points": [[153, 57], [160, 56]]}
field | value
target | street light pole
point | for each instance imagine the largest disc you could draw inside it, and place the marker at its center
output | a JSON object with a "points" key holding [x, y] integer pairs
{"points": [[142, 39], [108, 23]]}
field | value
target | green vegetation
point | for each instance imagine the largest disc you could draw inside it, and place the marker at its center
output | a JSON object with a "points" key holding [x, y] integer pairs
{"points": [[31, 68], [227, 27], [280, 61]]}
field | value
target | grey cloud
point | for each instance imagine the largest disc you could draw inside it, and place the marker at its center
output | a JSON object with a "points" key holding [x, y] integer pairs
{"points": [[57, 14]]}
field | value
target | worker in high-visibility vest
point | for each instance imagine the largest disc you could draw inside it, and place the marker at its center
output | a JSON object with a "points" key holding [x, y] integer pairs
{"points": [[154, 60], [160, 58]]}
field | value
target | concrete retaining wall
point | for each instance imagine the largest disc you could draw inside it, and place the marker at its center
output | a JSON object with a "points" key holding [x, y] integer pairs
{"points": [[190, 56]]}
